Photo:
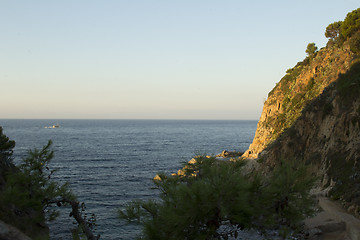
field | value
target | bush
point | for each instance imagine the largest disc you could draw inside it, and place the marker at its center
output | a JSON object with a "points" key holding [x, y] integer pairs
{"points": [[355, 43], [310, 85], [29, 191], [333, 30], [212, 191], [351, 23], [6, 149], [193, 207], [289, 190], [311, 49]]}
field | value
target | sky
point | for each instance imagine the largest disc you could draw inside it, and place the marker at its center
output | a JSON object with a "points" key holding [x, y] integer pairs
{"points": [[154, 59]]}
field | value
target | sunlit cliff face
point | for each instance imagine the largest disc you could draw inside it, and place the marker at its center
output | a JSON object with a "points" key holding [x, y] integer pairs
{"points": [[295, 90]]}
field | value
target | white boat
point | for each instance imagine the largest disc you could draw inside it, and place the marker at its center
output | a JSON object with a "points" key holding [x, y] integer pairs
{"points": [[54, 126]]}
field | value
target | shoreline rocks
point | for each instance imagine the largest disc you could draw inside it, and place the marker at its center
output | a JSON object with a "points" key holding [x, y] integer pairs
{"points": [[224, 155], [229, 154]]}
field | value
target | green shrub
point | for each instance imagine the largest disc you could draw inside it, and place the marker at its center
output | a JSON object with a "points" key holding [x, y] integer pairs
{"points": [[193, 206], [289, 191], [333, 30], [355, 43], [351, 23], [310, 85], [296, 100], [6, 149], [311, 49], [345, 174], [29, 191]]}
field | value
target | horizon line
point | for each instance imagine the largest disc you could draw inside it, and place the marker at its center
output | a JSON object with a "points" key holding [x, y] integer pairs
{"points": [[133, 119]]}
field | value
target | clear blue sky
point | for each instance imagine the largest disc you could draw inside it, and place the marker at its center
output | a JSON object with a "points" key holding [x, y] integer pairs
{"points": [[137, 59]]}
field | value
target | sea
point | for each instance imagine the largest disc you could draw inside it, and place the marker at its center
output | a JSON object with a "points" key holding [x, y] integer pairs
{"points": [[108, 163]]}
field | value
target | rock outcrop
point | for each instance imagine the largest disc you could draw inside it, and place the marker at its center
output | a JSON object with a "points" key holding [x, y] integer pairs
{"points": [[327, 135], [296, 89], [313, 115], [229, 154]]}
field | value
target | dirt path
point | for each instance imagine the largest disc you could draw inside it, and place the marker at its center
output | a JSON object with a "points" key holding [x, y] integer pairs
{"points": [[333, 223]]}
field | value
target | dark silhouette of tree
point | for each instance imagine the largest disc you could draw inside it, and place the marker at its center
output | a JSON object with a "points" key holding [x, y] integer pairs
{"points": [[27, 191], [6, 148]]}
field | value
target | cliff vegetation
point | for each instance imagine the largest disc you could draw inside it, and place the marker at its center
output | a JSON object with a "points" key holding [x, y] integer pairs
{"points": [[28, 195], [309, 130], [307, 80], [313, 114], [210, 193]]}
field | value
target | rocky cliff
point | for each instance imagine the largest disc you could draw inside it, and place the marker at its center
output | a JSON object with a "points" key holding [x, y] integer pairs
{"points": [[313, 115], [327, 136], [296, 89]]}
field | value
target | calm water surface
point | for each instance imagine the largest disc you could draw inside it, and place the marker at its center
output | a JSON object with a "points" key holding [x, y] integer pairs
{"points": [[110, 162]]}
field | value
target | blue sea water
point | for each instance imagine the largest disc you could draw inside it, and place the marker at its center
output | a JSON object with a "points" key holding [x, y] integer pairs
{"points": [[110, 162]]}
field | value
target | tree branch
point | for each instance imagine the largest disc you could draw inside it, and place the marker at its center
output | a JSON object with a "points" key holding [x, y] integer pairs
{"points": [[77, 215]]}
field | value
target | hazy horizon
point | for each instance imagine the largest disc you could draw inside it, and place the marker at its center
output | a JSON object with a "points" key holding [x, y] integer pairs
{"points": [[54, 120], [181, 60]]}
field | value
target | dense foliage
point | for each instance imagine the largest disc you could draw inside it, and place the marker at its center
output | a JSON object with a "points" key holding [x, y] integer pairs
{"points": [[351, 23], [28, 193], [354, 43], [338, 32], [333, 30], [311, 49], [193, 206], [6, 148]]}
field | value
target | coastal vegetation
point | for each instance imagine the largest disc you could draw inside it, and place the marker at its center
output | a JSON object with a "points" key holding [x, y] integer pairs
{"points": [[311, 49], [312, 115], [311, 120], [307, 80], [316, 102], [29, 194], [326, 135], [211, 192]]}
